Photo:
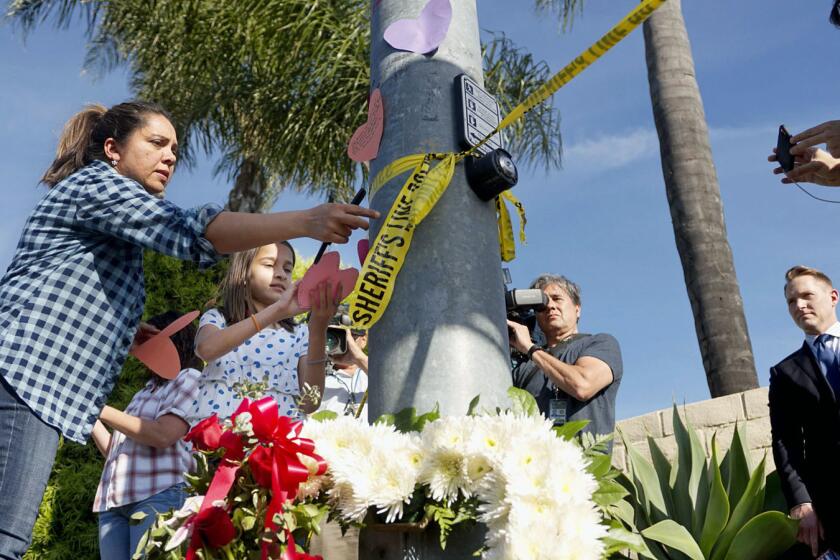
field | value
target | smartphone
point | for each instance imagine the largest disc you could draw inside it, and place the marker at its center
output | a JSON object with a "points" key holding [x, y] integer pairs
{"points": [[783, 146]]}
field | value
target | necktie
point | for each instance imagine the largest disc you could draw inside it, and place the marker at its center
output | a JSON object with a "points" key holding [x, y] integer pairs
{"points": [[827, 356]]}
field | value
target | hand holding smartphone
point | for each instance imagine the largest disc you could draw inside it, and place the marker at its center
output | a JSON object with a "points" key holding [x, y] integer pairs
{"points": [[783, 146]]}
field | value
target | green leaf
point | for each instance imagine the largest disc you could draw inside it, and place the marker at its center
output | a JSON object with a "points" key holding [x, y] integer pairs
{"points": [[766, 535], [599, 465], [407, 420], [663, 471], [738, 465], [323, 415], [717, 510], [471, 409], [421, 421], [698, 483], [523, 402], [620, 539], [247, 523], [609, 492], [570, 429], [748, 506], [649, 492], [623, 511], [673, 535], [683, 469]]}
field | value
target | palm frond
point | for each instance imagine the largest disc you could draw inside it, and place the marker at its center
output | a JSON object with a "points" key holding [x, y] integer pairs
{"points": [[565, 10]]}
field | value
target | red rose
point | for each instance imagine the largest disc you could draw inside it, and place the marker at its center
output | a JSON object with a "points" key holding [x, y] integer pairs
{"points": [[215, 527], [260, 461], [234, 447], [206, 434]]}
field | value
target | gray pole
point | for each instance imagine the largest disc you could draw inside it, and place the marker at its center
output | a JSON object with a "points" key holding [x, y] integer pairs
{"points": [[443, 337]]}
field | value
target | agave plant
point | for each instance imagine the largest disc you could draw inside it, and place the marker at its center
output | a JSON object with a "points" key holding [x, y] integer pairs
{"points": [[702, 508]]}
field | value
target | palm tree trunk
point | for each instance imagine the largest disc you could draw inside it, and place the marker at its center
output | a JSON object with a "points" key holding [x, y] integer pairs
{"points": [[250, 190], [696, 209]]}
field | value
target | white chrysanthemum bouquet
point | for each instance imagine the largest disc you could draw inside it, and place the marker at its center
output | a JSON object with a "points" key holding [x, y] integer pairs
{"points": [[533, 488]]}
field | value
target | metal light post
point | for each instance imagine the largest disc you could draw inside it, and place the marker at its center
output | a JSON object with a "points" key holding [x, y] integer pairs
{"points": [[443, 337]]}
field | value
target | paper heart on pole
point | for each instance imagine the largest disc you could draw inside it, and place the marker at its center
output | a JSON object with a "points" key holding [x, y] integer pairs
{"points": [[424, 34], [364, 144], [159, 353], [362, 249], [326, 271]]}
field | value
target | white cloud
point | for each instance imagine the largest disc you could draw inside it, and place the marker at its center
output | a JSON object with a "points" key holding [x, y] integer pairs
{"points": [[611, 151]]}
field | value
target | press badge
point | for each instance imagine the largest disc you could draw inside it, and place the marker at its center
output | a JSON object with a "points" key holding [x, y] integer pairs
{"points": [[557, 411]]}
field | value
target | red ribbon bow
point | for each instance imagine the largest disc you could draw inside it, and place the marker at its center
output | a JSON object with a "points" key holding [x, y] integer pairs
{"points": [[274, 463]]}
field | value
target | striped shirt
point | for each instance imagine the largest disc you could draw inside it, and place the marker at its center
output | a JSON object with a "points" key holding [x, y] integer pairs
{"points": [[134, 471], [72, 297]]}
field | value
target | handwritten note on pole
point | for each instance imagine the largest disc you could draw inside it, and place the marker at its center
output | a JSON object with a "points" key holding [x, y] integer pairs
{"points": [[364, 145]]}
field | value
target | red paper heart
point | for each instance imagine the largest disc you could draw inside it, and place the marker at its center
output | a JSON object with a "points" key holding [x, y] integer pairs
{"points": [[159, 353], [326, 270], [364, 145], [362, 248]]}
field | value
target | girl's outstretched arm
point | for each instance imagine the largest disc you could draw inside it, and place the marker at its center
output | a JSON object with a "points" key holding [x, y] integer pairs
{"points": [[212, 343]]}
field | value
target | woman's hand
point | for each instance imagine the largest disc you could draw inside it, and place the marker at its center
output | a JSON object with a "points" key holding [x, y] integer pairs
{"points": [[334, 223]]}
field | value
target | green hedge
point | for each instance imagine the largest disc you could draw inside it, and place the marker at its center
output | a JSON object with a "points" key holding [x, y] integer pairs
{"points": [[66, 526]]}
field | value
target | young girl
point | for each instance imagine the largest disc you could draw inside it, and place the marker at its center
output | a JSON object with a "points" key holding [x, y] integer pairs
{"points": [[145, 455], [71, 300], [251, 340]]}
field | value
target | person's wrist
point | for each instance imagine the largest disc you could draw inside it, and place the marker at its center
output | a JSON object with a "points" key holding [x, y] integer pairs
{"points": [[532, 350]]}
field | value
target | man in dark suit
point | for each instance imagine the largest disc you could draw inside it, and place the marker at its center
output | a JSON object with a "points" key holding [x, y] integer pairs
{"points": [[804, 412]]}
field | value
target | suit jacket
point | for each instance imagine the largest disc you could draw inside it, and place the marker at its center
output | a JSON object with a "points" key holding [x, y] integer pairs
{"points": [[805, 421]]}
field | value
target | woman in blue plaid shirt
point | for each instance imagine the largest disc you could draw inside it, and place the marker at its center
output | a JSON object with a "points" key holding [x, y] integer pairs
{"points": [[73, 295]]}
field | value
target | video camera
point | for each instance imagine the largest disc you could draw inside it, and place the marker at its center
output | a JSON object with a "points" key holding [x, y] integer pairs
{"points": [[521, 305], [336, 338]]}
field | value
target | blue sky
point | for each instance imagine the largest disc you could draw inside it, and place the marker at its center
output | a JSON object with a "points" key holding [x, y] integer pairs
{"points": [[603, 219]]}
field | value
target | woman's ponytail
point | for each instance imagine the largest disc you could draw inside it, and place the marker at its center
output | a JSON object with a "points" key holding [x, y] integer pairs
{"points": [[73, 144], [83, 138]]}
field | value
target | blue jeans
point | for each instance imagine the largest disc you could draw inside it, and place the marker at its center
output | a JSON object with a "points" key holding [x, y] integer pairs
{"points": [[118, 539], [27, 453]]}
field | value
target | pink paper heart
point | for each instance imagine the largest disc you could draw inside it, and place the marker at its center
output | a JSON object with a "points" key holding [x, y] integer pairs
{"points": [[364, 145], [159, 353], [326, 270], [424, 34], [362, 248]]}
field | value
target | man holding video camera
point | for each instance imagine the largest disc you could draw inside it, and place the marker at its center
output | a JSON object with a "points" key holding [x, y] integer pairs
{"points": [[346, 380], [574, 376]]}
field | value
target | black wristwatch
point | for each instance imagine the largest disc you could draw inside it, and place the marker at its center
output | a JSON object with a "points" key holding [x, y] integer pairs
{"points": [[533, 349]]}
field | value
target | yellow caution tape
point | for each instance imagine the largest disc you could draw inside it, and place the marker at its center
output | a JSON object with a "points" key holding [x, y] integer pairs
{"points": [[506, 244], [426, 185], [375, 284]]}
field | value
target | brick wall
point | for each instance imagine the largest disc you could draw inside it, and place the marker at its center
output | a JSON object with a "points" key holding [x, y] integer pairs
{"points": [[707, 417]]}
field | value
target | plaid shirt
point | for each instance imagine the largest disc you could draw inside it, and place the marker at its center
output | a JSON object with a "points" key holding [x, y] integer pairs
{"points": [[134, 471], [73, 295]]}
